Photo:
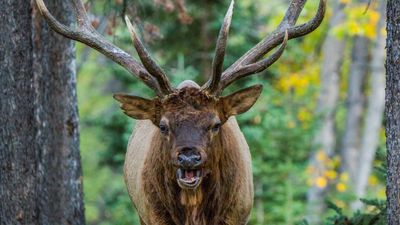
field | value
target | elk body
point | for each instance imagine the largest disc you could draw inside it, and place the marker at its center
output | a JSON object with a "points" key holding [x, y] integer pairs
{"points": [[187, 161]]}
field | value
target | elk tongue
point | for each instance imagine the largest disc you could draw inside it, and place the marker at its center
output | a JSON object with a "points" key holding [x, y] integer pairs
{"points": [[189, 174]]}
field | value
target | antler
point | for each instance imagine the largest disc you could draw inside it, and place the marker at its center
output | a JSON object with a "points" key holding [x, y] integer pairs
{"points": [[218, 61], [250, 62], [147, 61], [150, 74]]}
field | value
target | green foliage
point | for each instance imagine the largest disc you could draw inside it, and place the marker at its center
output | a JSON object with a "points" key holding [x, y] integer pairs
{"points": [[375, 210], [375, 214]]}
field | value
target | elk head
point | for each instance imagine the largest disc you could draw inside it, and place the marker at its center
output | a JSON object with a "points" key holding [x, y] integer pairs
{"points": [[189, 118]]}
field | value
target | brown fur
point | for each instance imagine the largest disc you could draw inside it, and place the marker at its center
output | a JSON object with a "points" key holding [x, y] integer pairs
{"points": [[224, 197]]}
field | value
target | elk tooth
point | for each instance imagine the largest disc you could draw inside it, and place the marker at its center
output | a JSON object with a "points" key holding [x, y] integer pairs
{"points": [[179, 173]]}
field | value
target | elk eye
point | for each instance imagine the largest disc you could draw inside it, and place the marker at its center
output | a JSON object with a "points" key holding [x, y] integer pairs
{"points": [[163, 128], [216, 127]]}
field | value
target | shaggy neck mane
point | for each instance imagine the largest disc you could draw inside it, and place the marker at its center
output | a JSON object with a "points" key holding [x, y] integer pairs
{"points": [[209, 203]]}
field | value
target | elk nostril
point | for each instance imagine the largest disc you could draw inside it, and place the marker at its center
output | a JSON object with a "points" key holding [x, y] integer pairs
{"points": [[181, 158], [197, 157], [189, 158]]}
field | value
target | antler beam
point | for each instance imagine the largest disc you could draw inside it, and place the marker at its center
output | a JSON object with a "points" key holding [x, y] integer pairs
{"points": [[86, 34], [256, 67], [249, 63], [276, 38]]}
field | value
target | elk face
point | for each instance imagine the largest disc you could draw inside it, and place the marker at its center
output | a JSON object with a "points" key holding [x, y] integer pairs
{"points": [[189, 121], [189, 134]]}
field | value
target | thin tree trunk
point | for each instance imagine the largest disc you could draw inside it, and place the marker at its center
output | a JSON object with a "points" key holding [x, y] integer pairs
{"points": [[392, 113], [376, 106], [350, 148], [333, 51], [40, 171]]}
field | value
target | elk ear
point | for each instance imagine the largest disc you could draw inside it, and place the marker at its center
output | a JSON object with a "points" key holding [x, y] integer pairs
{"points": [[136, 107], [241, 101]]}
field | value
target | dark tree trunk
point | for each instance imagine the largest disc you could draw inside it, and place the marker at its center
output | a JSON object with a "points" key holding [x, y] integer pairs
{"points": [[40, 170], [393, 111]]}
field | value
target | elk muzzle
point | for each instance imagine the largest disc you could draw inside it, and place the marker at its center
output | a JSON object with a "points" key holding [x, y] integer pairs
{"points": [[189, 158], [190, 162]]}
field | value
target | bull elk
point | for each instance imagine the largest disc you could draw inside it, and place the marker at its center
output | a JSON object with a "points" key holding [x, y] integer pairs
{"points": [[187, 161]]}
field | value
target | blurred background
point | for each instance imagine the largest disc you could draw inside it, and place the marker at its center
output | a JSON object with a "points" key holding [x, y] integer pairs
{"points": [[316, 134]]}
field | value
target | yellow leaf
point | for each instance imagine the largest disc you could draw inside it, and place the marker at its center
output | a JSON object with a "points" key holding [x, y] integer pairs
{"points": [[321, 182], [370, 31], [372, 180], [354, 28], [341, 187], [373, 17], [331, 174]]}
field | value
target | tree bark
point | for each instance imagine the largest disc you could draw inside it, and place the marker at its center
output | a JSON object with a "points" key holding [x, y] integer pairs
{"points": [[40, 170], [325, 139], [392, 112], [375, 109]]}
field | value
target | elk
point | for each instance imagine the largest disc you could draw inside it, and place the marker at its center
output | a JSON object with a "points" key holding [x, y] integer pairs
{"points": [[187, 161]]}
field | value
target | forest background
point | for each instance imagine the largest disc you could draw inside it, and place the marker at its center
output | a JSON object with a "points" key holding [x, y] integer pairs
{"points": [[316, 134]]}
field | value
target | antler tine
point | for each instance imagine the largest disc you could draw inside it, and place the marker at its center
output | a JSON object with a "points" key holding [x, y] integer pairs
{"points": [[246, 63], [310, 26], [256, 67], [86, 34], [147, 61], [292, 14], [218, 62], [81, 15]]}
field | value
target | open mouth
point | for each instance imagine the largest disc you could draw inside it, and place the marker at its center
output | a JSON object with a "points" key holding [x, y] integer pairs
{"points": [[189, 179]]}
